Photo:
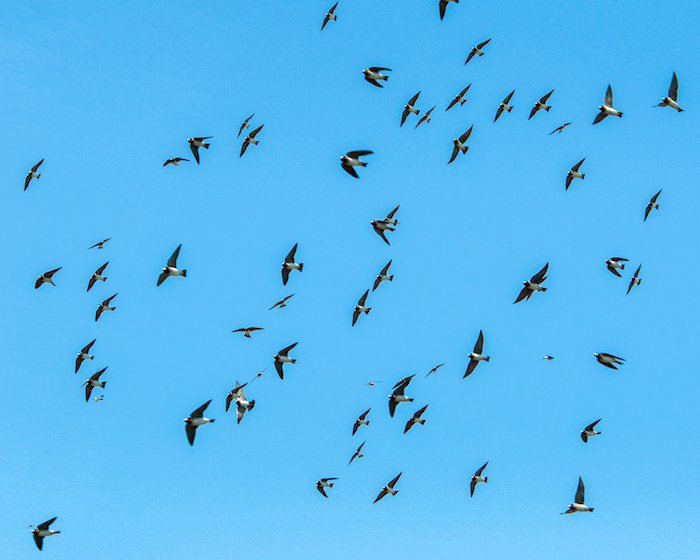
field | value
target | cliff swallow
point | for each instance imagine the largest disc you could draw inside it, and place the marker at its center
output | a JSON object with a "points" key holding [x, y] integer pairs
{"points": [[195, 144], [459, 97], [397, 395], [242, 404], [329, 16], [361, 421], [244, 124], [614, 263], [477, 50], [476, 356], [324, 482], [669, 101], [504, 106], [360, 308], [247, 330], [374, 73], [573, 173], [171, 268], [459, 144], [83, 355], [425, 117], [257, 375], [93, 381], [651, 205], [352, 159], [635, 279], [578, 500], [281, 303], [98, 399], [389, 488], [195, 420], [174, 160], [282, 358], [588, 431], [606, 108], [99, 244], [533, 285], [250, 139], [104, 306], [608, 360], [541, 104], [383, 276], [435, 369], [32, 174], [289, 265], [42, 531], [476, 478], [560, 128], [443, 5], [409, 108], [385, 224], [415, 419], [404, 381], [97, 275], [46, 277], [357, 453]]}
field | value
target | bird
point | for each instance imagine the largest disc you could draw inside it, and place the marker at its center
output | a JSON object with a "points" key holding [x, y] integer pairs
{"points": [[32, 174], [385, 224], [374, 73], [533, 285], [435, 369], [42, 531], [97, 275], [476, 356], [357, 453], [104, 306], [425, 117], [175, 161], [541, 104], [257, 375], [244, 124], [588, 431], [282, 358], [608, 360], [459, 144], [242, 404], [415, 419], [281, 303], [99, 244], [477, 50], [247, 330], [670, 101], [83, 355], [614, 263], [560, 128], [352, 159], [578, 504], [93, 381], [196, 143], [383, 276], [404, 380], [171, 268], [409, 108], [323, 483], [548, 358], [397, 395], [372, 383], [360, 308], [651, 205], [329, 16], [607, 107], [459, 98], [504, 106], [360, 421], [573, 173], [389, 488], [443, 5], [234, 394], [194, 420], [476, 478], [250, 139], [46, 277], [289, 265], [635, 279], [97, 399]]}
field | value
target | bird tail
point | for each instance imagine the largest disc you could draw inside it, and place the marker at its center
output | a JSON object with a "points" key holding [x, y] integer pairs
{"points": [[547, 108], [212, 420], [619, 115], [368, 310], [509, 109], [544, 289], [38, 175], [301, 267], [623, 267], [583, 175], [246, 333], [251, 404], [385, 78], [410, 400], [391, 278], [205, 146], [184, 273], [487, 358], [590, 509], [104, 384], [294, 361], [486, 479], [464, 150], [640, 281]]}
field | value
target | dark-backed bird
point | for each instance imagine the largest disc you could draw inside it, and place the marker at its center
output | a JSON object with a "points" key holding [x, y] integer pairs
{"points": [[397, 396], [389, 488], [425, 117], [541, 104], [415, 419], [476, 478], [476, 356], [435, 369], [99, 244], [374, 73], [250, 139], [234, 394], [589, 431], [459, 144], [360, 308], [282, 358], [382, 276], [651, 205], [357, 453], [244, 124], [174, 160], [32, 174], [635, 279], [329, 16], [97, 275], [196, 143], [352, 159], [614, 263], [670, 101], [281, 303], [385, 224], [171, 268], [247, 330], [578, 504], [533, 285], [324, 482], [560, 128], [93, 381], [409, 108], [360, 421], [46, 277], [289, 265], [104, 306], [477, 50], [573, 173], [42, 531], [196, 419], [83, 355], [504, 106], [608, 360], [459, 98], [607, 107]]}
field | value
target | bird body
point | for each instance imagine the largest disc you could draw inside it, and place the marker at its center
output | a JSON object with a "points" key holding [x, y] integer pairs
{"points": [[608, 360], [196, 419], [374, 73], [671, 100], [651, 205], [94, 381], [389, 488], [175, 161], [606, 108], [477, 50], [282, 358], [415, 419], [503, 106], [382, 276], [409, 108], [196, 143]]}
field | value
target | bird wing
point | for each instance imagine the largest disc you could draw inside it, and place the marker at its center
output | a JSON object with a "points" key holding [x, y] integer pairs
{"points": [[481, 45], [244, 146], [50, 273], [379, 69], [195, 151], [471, 55], [452, 103], [599, 117], [355, 426], [421, 411], [98, 312], [357, 153], [608, 101], [373, 82], [363, 298], [569, 178], [240, 411], [403, 116], [285, 275], [88, 391], [507, 99], [87, 347], [190, 433], [45, 525], [172, 261], [631, 284], [252, 134], [278, 367], [198, 413], [524, 293], [455, 151], [161, 278], [385, 269], [102, 268], [653, 198], [106, 302], [479, 346], [284, 351], [575, 167], [591, 426], [290, 257], [390, 215], [392, 406], [473, 485], [409, 425], [478, 473], [381, 495], [38, 540], [543, 100], [470, 368], [443, 5], [498, 114], [42, 159], [539, 277], [466, 135], [614, 271], [395, 480], [380, 232], [580, 492], [365, 413], [413, 99], [355, 315], [229, 398], [534, 110], [672, 91]]}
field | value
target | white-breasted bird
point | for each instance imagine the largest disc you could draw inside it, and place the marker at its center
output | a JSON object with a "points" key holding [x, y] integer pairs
{"points": [[32, 174], [382, 276], [289, 265], [244, 124], [46, 277], [329, 16], [97, 275], [174, 161], [459, 144], [671, 100], [250, 139], [607, 107], [171, 268], [93, 381], [560, 128], [100, 244], [352, 159], [477, 355], [385, 224], [104, 306], [374, 73], [196, 419], [415, 419], [651, 205], [435, 369], [196, 143], [477, 50], [281, 303], [573, 173], [425, 117], [459, 98], [83, 355], [477, 477], [608, 360], [357, 453], [533, 285], [282, 358], [360, 421], [541, 104], [247, 330], [242, 404], [635, 279], [589, 431], [42, 531], [360, 308], [397, 396], [504, 106], [578, 504], [410, 108], [324, 482], [389, 488], [614, 263]]}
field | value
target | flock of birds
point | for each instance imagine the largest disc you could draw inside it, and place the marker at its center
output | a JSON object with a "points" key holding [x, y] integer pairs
{"points": [[349, 162]]}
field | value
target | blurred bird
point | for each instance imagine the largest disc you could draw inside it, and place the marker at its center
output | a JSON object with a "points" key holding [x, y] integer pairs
{"points": [[415, 419], [476, 356], [635, 279], [324, 482], [425, 117], [257, 375], [83, 355], [99, 244], [443, 5], [289, 265], [477, 50], [435, 369], [194, 420], [504, 106], [97, 275], [651, 205], [329, 16], [459, 144], [360, 421], [97, 399], [244, 124], [606, 108], [42, 531], [573, 173], [171, 268], [374, 73], [560, 128], [476, 478], [242, 404], [247, 330], [196, 143], [389, 488], [360, 308], [588, 431], [32, 174], [397, 395], [385, 224], [281, 303], [250, 139], [94, 381], [578, 504], [357, 453], [46, 277], [548, 358], [459, 98], [533, 285], [383, 276], [104, 306], [669, 101], [541, 104], [409, 108], [174, 160], [352, 159], [372, 383], [608, 360], [614, 263], [234, 394], [282, 358]]}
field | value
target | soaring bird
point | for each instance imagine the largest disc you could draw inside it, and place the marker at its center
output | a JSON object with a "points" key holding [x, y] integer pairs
{"points": [[329, 16], [459, 98], [32, 174], [651, 205], [46, 277], [250, 139], [281, 303], [357, 453], [324, 482], [104, 306], [171, 268], [397, 395], [352, 159], [174, 160], [194, 420], [608, 360], [476, 478], [97, 275], [360, 421], [385, 224], [635, 279], [443, 5], [196, 143], [415, 419], [614, 263], [504, 106], [669, 101], [435, 369], [477, 50], [541, 104], [425, 117], [383, 276], [282, 358], [360, 308], [374, 73], [459, 144], [476, 356], [94, 381], [409, 108], [589, 431], [573, 173], [83, 355], [607, 107], [247, 330], [533, 285], [578, 504], [389, 488], [42, 531], [99, 244], [244, 124], [560, 128], [289, 265]]}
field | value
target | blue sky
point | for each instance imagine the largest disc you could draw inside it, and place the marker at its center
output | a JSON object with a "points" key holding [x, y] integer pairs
{"points": [[105, 94]]}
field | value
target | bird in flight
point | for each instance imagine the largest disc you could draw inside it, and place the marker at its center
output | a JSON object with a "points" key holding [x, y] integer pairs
{"points": [[477, 50], [541, 104], [533, 285], [578, 504], [425, 117], [281, 303], [32, 174], [573, 173], [383, 276], [476, 478], [389, 488], [247, 330], [385, 224], [42, 531], [97, 275], [83, 355], [476, 356], [435, 369], [360, 421], [244, 124], [504, 106], [46, 277], [99, 244], [324, 482], [607, 107], [352, 159], [651, 205], [397, 395], [196, 143], [171, 268], [560, 128], [357, 453], [459, 98], [196, 419], [289, 265], [329, 16], [281, 358], [175, 161], [104, 306], [635, 279], [415, 419], [614, 263], [410, 108], [250, 139], [360, 308], [94, 381], [374, 73], [459, 144], [589, 431], [670, 101], [608, 360]]}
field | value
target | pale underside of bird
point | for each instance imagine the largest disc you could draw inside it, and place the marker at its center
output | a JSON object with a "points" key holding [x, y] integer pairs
{"points": [[282, 358], [324, 482], [250, 139], [397, 396], [560, 128], [533, 285], [361, 421], [415, 419], [244, 124], [425, 117], [360, 308], [574, 173], [357, 453], [459, 144], [477, 50], [389, 488], [651, 205], [607, 107], [589, 431], [104, 306], [504, 106], [171, 268], [410, 108], [329, 16], [100, 244], [477, 477], [635, 279], [288, 265], [92, 382], [374, 73], [541, 104], [609, 360], [614, 263], [352, 159], [476, 356], [42, 531], [459, 98], [83, 355], [247, 330], [380, 226], [32, 174], [97, 275], [578, 504], [435, 369], [174, 161], [46, 278], [382, 276], [196, 143], [672, 99], [196, 419], [281, 303]]}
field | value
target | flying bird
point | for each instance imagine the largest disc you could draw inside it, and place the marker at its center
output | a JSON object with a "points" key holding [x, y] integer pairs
{"points": [[548, 357], [372, 383], [94, 381], [459, 144], [397, 395], [607, 107], [195, 420], [250, 139], [573, 173], [476, 356], [282, 358], [247, 330], [98, 399], [42, 531], [352, 159], [425, 117], [244, 124], [560, 128], [234, 394], [289, 265], [385, 224], [383, 276], [281, 303], [83, 355], [651, 205], [175, 161], [374, 73], [635, 279], [242, 404], [99, 244], [409, 108], [389, 488], [504, 106], [608, 360], [360, 308], [614, 263], [459, 98], [588, 431], [476, 478], [324, 482], [435, 369], [104, 306], [477, 50], [578, 504], [415, 419], [360, 421], [257, 375], [533, 285], [329, 16], [46, 277], [97, 275], [541, 104], [32, 174], [404, 381], [670, 101], [357, 453], [196, 143], [171, 269]]}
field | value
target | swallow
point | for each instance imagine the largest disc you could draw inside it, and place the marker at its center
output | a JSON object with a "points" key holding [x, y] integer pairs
{"points": [[42, 531], [171, 268], [361, 421], [281, 303], [404, 381], [372, 383], [244, 124], [329, 16], [425, 117], [282, 358], [352, 159], [559, 128], [289, 265], [357, 453], [608, 360], [46, 277], [175, 161], [651, 205], [397, 395], [323, 483], [459, 144], [548, 357], [94, 381], [234, 394], [383, 276], [32, 174], [196, 143], [389, 489], [98, 399], [504, 106], [257, 375], [250, 139], [374, 73], [606, 108], [435, 369], [635, 279], [443, 5], [195, 420], [409, 108], [459, 98], [247, 330], [104, 306], [541, 104], [578, 504], [477, 50], [97, 275], [476, 356], [573, 173], [476, 478], [670, 101], [385, 224], [533, 285], [614, 263], [242, 404], [360, 308], [83, 355], [588, 431], [99, 244], [415, 419]]}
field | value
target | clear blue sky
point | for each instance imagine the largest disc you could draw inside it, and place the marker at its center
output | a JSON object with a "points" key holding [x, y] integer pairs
{"points": [[106, 93]]}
